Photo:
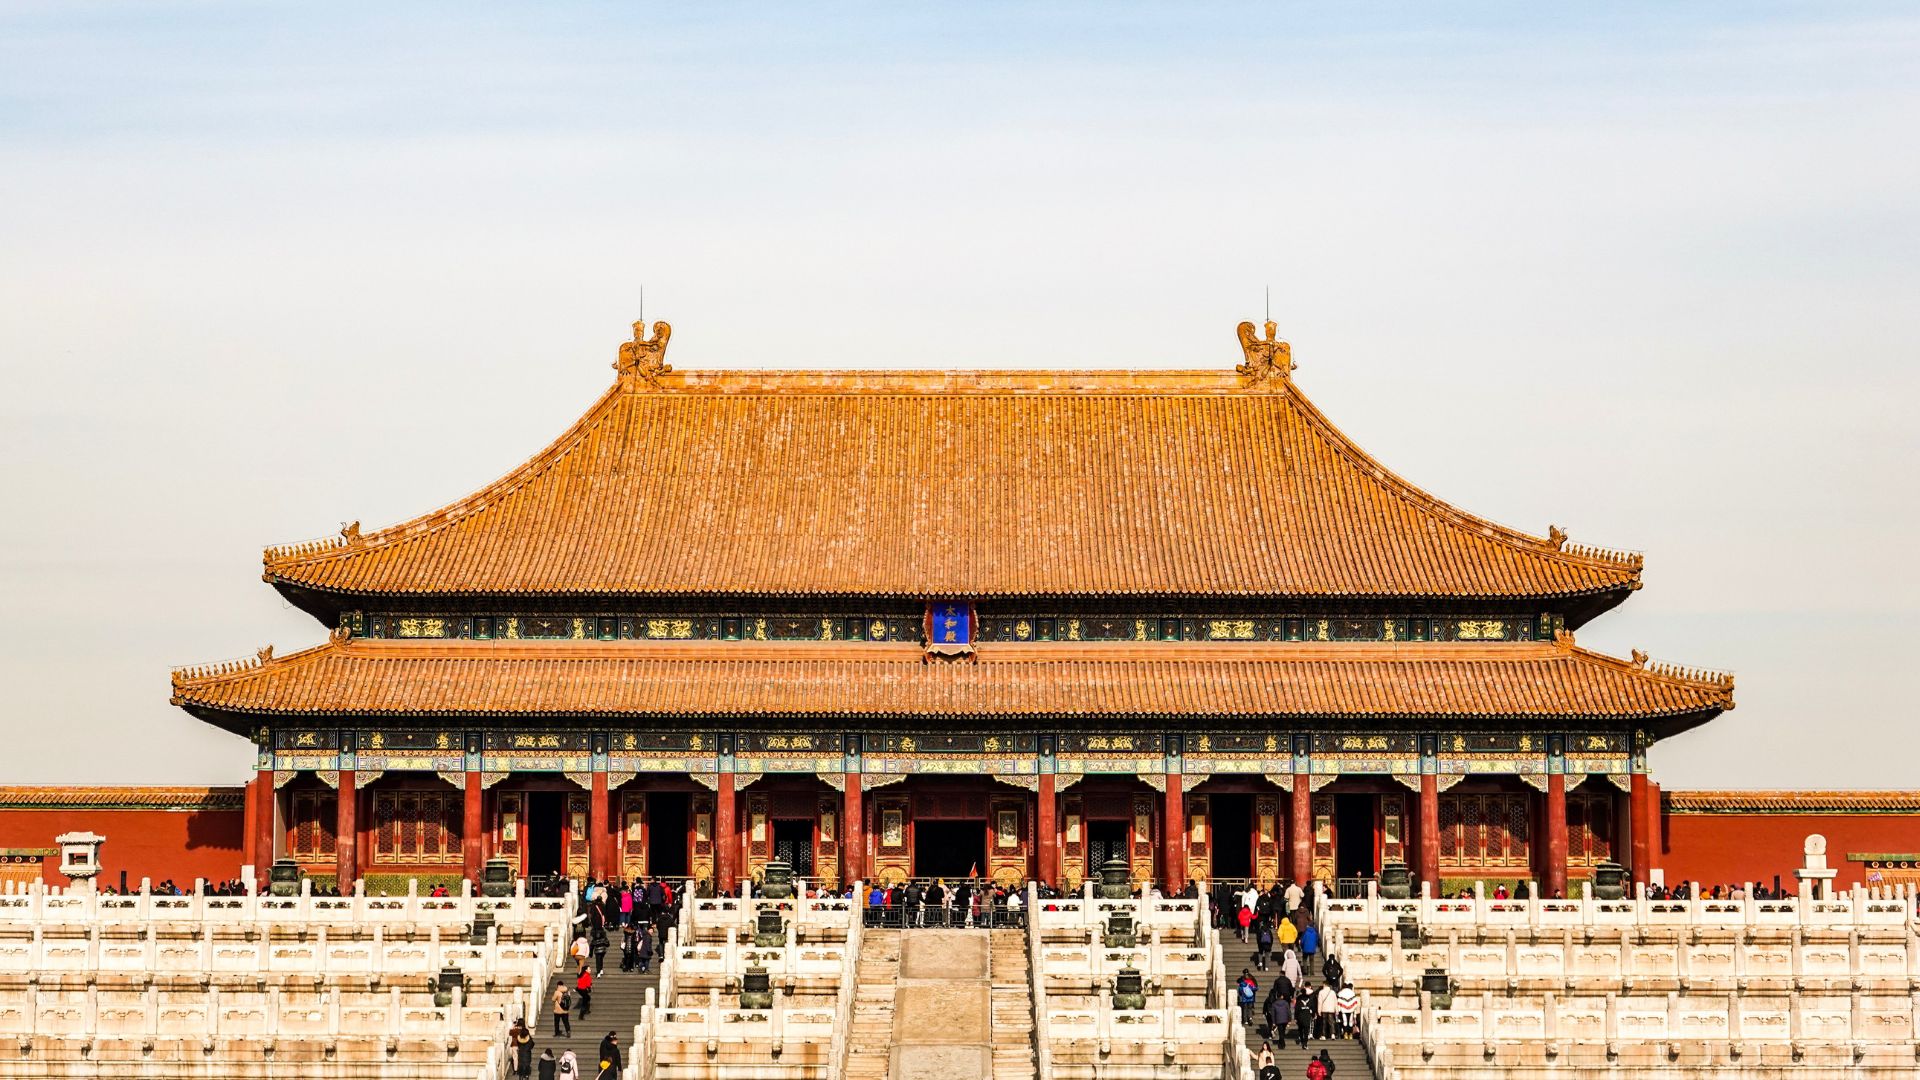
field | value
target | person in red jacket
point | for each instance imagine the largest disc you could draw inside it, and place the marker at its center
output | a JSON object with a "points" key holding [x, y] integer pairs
{"points": [[584, 984]]}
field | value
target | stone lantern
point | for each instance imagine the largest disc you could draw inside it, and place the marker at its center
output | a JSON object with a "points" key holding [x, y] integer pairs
{"points": [[770, 931], [283, 878], [756, 991], [1128, 990], [1409, 927], [449, 980], [1609, 881], [776, 883], [80, 854], [1396, 881], [496, 878], [1114, 883]]}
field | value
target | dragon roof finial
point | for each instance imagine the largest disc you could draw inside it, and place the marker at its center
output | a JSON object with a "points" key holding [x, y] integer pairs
{"points": [[1268, 358], [645, 357]]}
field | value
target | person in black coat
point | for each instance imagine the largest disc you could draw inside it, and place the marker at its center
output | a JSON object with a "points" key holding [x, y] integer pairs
{"points": [[547, 1064], [610, 1054], [522, 1037]]}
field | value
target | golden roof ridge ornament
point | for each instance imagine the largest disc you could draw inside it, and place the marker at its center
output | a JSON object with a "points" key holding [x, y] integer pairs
{"points": [[645, 358], [1268, 359]]}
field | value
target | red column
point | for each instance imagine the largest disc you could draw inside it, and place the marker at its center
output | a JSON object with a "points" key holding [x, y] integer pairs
{"points": [[597, 828], [263, 827], [724, 842], [1176, 830], [248, 829], [1556, 883], [616, 835], [853, 838], [1654, 829], [1301, 828], [346, 864], [1048, 828], [1641, 828], [473, 827], [1430, 830]]}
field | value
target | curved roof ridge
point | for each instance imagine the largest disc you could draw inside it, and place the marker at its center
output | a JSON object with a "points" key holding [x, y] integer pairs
{"points": [[1413, 493], [195, 676], [1704, 679], [353, 542]]}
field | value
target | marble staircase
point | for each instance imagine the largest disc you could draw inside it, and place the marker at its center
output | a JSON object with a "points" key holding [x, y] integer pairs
{"points": [[870, 1045], [1012, 1007]]}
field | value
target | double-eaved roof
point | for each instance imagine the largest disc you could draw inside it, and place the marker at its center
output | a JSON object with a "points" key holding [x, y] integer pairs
{"points": [[976, 485], [953, 484]]}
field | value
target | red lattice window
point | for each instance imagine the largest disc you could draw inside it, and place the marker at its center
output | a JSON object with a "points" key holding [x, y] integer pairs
{"points": [[1589, 828], [419, 827], [383, 850], [1478, 830], [314, 815]]}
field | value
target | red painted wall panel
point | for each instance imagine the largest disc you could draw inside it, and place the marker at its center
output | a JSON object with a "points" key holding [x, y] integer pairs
{"points": [[157, 844], [1718, 849]]}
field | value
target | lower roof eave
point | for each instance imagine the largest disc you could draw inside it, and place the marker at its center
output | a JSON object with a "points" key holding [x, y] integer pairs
{"points": [[245, 723]]}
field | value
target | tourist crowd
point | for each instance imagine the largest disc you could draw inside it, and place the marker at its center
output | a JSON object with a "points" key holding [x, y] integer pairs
{"points": [[638, 915]]}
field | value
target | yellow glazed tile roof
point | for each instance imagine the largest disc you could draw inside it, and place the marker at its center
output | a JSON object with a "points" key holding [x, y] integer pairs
{"points": [[969, 484]]}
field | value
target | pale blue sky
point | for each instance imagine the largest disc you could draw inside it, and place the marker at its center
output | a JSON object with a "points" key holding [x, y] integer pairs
{"points": [[1646, 272]]}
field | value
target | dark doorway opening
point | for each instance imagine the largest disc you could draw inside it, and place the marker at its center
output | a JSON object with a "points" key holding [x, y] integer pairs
{"points": [[949, 849], [1353, 836], [546, 832], [1106, 840], [667, 834], [793, 843], [1231, 844]]}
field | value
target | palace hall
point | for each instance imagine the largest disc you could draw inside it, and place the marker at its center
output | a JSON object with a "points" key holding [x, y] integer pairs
{"points": [[949, 623]]}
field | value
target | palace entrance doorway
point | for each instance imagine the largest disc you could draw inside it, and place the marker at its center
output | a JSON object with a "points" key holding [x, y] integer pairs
{"points": [[1106, 840], [949, 849], [546, 833], [1353, 821], [1232, 840], [667, 835], [793, 843]]}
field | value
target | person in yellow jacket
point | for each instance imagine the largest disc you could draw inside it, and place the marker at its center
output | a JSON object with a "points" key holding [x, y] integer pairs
{"points": [[1288, 933]]}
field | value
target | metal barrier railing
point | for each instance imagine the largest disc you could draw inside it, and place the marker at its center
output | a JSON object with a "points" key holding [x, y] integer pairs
{"points": [[976, 915]]}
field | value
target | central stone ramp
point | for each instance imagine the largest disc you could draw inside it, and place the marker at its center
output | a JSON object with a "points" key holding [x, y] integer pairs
{"points": [[942, 1021]]}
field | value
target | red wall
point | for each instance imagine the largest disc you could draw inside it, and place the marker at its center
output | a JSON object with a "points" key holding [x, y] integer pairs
{"points": [[1719, 849], [158, 844]]}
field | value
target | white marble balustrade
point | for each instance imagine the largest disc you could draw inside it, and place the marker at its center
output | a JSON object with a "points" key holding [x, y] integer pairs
{"points": [[38, 903], [1861, 906], [205, 949]]}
